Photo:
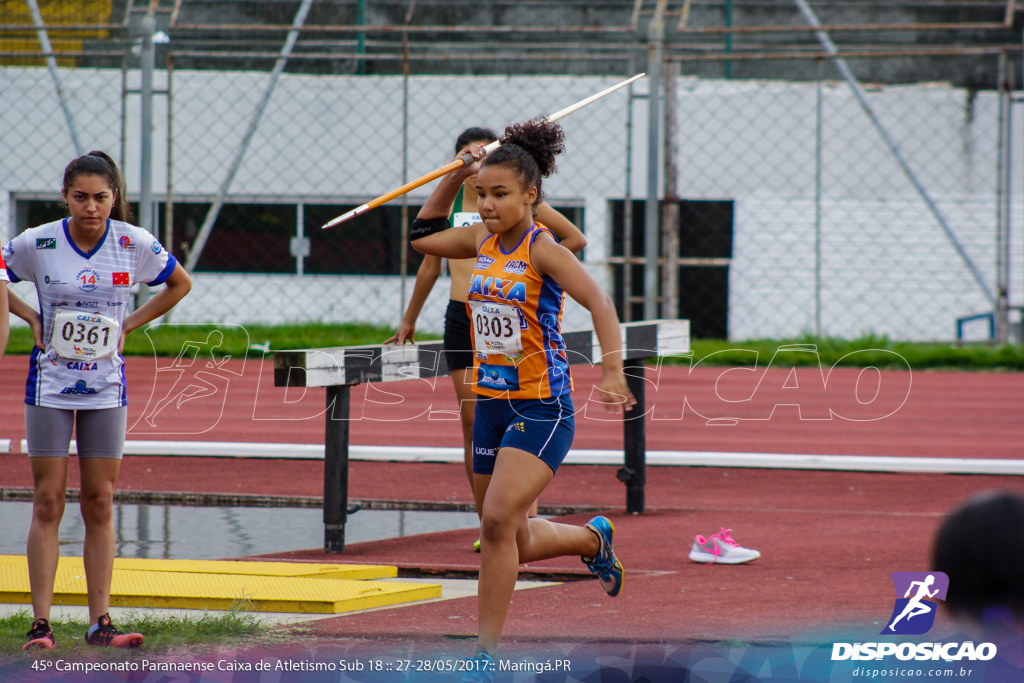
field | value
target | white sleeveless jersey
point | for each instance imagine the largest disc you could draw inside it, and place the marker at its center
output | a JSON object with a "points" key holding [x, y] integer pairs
{"points": [[96, 282]]}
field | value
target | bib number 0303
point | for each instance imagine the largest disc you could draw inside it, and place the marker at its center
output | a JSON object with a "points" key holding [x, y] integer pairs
{"points": [[84, 336], [496, 328]]}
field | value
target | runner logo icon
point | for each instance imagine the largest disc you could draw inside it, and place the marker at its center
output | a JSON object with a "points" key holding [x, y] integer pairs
{"points": [[916, 592]]}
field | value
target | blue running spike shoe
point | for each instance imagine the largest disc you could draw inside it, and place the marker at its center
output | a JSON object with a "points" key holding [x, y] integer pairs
{"points": [[605, 565], [480, 669]]}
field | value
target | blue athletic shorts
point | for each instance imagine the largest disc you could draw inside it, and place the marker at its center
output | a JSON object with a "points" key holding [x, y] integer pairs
{"points": [[544, 427]]}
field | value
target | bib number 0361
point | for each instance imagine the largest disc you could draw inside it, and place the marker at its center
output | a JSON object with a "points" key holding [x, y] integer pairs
{"points": [[84, 336], [77, 332]]}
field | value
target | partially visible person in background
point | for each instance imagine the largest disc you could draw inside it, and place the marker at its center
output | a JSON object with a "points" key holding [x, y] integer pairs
{"points": [[980, 547]]}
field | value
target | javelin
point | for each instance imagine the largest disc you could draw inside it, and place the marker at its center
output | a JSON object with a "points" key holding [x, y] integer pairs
{"points": [[466, 158]]}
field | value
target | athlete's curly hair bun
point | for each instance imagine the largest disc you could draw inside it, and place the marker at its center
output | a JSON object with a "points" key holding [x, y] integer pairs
{"points": [[530, 149], [541, 140]]}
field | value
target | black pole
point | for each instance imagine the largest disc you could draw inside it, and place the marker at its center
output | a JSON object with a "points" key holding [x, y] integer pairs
{"points": [[336, 468], [634, 431]]}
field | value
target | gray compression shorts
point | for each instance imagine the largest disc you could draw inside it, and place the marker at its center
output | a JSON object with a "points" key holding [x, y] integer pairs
{"points": [[100, 433]]}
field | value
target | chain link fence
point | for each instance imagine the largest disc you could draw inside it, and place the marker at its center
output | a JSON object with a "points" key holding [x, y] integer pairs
{"points": [[787, 210], [802, 212]]}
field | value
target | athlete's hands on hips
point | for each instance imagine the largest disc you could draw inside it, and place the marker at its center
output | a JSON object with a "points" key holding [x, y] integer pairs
{"points": [[614, 393], [406, 333], [35, 323]]}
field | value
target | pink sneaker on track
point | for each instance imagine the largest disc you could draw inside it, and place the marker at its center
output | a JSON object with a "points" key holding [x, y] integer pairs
{"points": [[720, 548]]}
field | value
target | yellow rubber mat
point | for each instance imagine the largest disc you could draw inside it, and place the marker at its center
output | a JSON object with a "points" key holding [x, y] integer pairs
{"points": [[357, 572], [134, 588]]}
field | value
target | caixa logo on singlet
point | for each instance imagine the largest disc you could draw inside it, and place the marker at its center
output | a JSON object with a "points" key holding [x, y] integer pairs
{"points": [[80, 389]]}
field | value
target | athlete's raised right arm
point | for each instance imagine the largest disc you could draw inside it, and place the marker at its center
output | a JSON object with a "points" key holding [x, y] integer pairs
{"points": [[431, 232]]}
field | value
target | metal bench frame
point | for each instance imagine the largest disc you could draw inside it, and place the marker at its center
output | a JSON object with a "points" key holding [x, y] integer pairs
{"points": [[338, 369]]}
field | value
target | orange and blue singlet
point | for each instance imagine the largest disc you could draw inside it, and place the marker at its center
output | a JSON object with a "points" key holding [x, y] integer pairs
{"points": [[509, 302], [521, 368]]}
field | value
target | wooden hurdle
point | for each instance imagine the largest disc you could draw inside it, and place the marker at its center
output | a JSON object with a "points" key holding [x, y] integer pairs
{"points": [[338, 369]]}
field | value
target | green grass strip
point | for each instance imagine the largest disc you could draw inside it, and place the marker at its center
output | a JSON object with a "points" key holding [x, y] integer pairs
{"points": [[866, 351], [161, 630], [237, 340]]}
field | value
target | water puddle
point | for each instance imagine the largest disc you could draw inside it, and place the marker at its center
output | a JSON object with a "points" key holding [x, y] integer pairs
{"points": [[209, 533]]}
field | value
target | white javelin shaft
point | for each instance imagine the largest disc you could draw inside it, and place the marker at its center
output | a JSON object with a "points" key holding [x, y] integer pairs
{"points": [[593, 98], [458, 163]]}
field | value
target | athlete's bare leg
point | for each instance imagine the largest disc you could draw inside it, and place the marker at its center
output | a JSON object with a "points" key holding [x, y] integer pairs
{"points": [[98, 477], [467, 411], [49, 479], [508, 537]]}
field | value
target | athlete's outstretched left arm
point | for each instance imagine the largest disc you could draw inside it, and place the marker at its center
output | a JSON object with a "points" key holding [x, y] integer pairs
{"points": [[175, 289], [558, 263]]}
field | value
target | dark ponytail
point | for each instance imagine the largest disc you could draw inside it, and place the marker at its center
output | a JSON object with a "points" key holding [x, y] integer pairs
{"points": [[100, 163], [475, 134], [530, 149]]}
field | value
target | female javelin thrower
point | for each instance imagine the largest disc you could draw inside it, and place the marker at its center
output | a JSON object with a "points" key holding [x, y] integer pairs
{"points": [[84, 267], [458, 344], [524, 416]]}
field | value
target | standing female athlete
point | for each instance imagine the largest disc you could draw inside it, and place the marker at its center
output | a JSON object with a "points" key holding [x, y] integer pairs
{"points": [[84, 267], [458, 344], [524, 415]]}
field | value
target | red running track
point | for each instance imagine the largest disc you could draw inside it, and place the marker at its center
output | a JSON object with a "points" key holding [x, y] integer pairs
{"points": [[829, 539], [937, 414]]}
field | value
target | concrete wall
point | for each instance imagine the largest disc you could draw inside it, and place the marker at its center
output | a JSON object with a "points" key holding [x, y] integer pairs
{"points": [[886, 266]]}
